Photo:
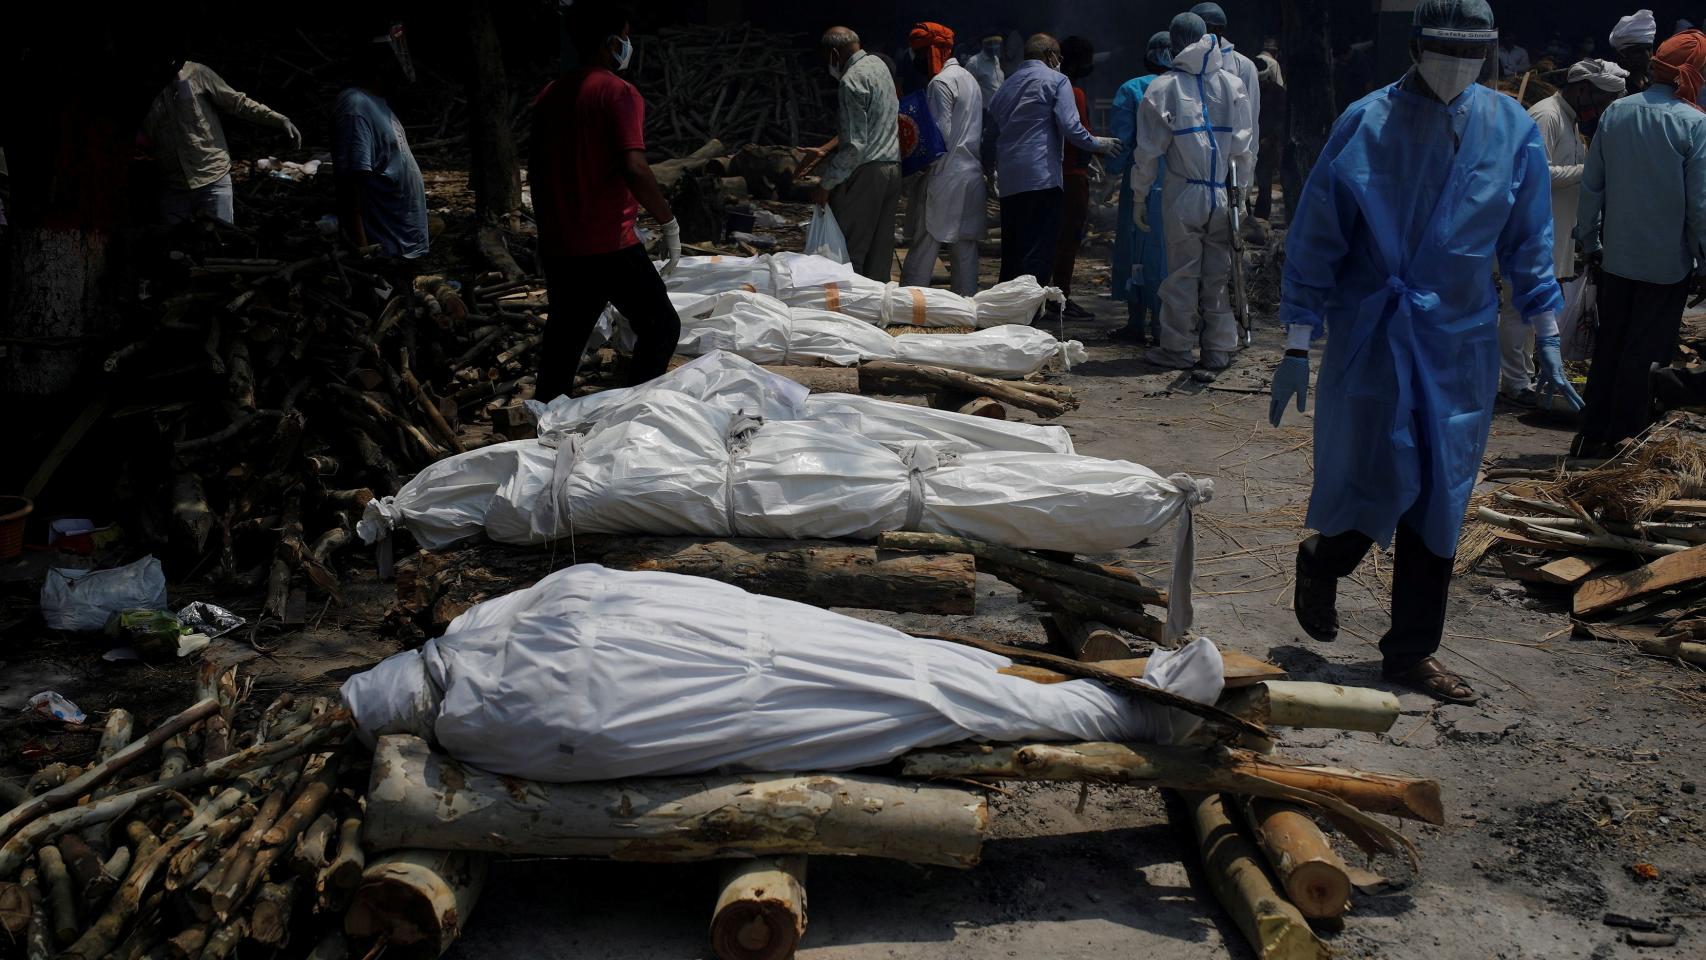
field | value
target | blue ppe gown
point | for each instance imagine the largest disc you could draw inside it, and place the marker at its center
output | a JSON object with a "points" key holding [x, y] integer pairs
{"points": [[1392, 251], [1140, 259]]}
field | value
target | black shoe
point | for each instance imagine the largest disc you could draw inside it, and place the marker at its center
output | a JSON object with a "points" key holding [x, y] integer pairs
{"points": [[1316, 600], [1128, 334], [1072, 311]]}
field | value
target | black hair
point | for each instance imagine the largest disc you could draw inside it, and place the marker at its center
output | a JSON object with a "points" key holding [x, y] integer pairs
{"points": [[591, 22]]}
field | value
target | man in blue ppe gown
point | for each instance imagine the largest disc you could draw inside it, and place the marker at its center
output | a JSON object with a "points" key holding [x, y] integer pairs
{"points": [[1391, 255], [1140, 259]]}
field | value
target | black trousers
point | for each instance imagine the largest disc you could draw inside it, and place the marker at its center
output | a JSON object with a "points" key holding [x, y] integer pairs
{"points": [[1030, 229], [1420, 583], [1638, 327], [579, 288], [1267, 168]]}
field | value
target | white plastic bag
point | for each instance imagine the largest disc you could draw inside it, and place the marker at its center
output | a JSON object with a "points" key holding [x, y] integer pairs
{"points": [[1579, 322], [82, 600], [823, 236], [597, 674]]}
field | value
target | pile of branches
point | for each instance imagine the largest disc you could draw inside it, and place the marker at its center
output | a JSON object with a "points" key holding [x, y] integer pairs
{"points": [[735, 83], [1624, 540], [193, 840], [289, 380]]}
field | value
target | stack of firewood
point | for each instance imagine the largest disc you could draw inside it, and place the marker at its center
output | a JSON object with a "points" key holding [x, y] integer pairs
{"points": [[282, 382], [200, 839], [735, 83], [1624, 540]]}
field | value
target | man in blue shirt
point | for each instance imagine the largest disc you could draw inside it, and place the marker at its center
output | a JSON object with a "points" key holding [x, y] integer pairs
{"points": [[1644, 201], [381, 197], [1034, 115]]}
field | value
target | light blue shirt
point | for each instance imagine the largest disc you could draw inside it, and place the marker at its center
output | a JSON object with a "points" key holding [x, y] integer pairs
{"points": [[1034, 114], [870, 119], [1644, 189], [368, 138]]}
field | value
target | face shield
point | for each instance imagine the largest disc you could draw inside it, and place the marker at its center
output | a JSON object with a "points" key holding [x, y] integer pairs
{"points": [[1452, 59]]}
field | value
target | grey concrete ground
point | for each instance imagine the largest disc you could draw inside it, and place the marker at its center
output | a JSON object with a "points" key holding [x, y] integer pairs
{"points": [[1525, 867]]}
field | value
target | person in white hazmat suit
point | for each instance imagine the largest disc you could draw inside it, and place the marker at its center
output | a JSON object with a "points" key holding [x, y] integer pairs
{"points": [[1240, 66], [954, 192], [1197, 116], [1566, 120]]}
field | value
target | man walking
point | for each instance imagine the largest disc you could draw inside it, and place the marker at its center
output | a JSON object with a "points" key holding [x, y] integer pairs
{"points": [[381, 196], [1421, 184], [1197, 117], [1034, 114], [188, 141], [861, 180], [953, 187], [590, 178], [1644, 205]]}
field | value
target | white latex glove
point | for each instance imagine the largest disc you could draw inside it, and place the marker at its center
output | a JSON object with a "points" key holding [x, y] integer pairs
{"points": [[671, 246], [291, 133], [1140, 213], [1108, 145]]}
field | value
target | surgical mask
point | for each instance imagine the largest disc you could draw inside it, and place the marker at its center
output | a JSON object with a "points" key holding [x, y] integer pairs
{"points": [[624, 53], [992, 51], [1447, 76], [835, 70]]}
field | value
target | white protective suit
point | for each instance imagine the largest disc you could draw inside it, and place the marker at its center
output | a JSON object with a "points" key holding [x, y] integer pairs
{"points": [[1246, 70], [1567, 156], [954, 192], [1197, 116]]}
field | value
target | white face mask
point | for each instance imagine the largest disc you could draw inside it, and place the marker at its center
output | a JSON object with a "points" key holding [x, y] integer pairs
{"points": [[835, 70], [1447, 76], [624, 53]]}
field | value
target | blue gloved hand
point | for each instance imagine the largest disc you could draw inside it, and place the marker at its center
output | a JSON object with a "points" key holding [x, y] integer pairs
{"points": [[1548, 354], [1291, 379]]}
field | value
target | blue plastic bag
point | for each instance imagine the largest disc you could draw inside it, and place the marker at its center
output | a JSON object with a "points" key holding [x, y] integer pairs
{"points": [[920, 140]]}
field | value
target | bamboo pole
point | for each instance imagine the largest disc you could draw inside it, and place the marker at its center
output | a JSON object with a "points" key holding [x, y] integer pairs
{"points": [[761, 912], [1311, 872], [1273, 927]]}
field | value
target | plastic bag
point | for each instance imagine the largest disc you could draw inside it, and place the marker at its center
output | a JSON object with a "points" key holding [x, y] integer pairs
{"points": [[823, 236], [82, 600], [1578, 324]]}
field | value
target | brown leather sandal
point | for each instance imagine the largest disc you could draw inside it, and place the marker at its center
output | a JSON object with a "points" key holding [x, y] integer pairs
{"points": [[1432, 678]]}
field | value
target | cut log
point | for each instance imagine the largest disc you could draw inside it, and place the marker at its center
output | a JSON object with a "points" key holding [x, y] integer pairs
{"points": [[338, 879], [1181, 768], [997, 558], [1614, 590], [1649, 642], [1521, 569], [56, 880], [1090, 640], [1293, 703], [39, 938], [14, 909], [761, 912], [315, 790], [820, 379], [189, 942], [411, 803], [984, 407], [1572, 570], [824, 573], [1073, 600], [892, 376], [309, 856], [416, 901], [89, 880], [1312, 874], [1271, 925], [191, 518], [223, 941], [101, 936], [1242, 670], [270, 921]]}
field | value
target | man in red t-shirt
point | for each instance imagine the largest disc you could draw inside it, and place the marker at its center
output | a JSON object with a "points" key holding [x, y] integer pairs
{"points": [[589, 176]]}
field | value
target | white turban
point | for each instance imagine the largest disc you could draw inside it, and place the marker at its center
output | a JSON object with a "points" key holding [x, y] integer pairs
{"points": [[1637, 30], [1603, 74]]}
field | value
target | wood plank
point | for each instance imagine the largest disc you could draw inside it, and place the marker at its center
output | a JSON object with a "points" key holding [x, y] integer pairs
{"points": [[1691, 507], [1242, 670], [1521, 569], [1664, 573], [1571, 570]]}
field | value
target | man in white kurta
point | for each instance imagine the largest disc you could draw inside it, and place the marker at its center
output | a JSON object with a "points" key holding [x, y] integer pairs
{"points": [[954, 192], [1565, 119]]}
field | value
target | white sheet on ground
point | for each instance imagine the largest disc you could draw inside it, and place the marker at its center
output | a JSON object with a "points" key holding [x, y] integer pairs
{"points": [[596, 674]]}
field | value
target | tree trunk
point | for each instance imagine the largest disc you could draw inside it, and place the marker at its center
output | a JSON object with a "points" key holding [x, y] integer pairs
{"points": [[1182, 769], [416, 901], [997, 558], [761, 913], [422, 798], [1305, 863], [822, 573], [1292, 703], [894, 376], [1273, 926], [495, 167], [1091, 640], [1308, 50]]}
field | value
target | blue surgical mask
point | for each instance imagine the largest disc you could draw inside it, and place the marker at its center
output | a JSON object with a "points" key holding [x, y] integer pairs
{"points": [[624, 53]]}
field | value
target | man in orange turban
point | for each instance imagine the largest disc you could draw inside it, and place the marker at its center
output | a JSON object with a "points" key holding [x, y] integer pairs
{"points": [[948, 207]]}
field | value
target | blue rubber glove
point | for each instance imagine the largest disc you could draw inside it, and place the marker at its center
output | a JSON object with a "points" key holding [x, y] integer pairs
{"points": [[1291, 379], [1549, 356]]}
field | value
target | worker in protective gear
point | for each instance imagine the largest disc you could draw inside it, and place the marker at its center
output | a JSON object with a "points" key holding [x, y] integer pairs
{"points": [[1633, 39], [1566, 119], [1238, 65], [1140, 259], [1197, 116], [1644, 202], [1390, 255], [954, 192]]}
